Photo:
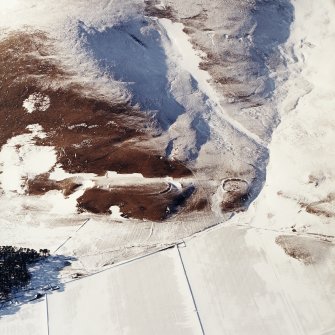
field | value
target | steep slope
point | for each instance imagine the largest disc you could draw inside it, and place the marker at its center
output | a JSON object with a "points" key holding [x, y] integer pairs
{"points": [[298, 195]]}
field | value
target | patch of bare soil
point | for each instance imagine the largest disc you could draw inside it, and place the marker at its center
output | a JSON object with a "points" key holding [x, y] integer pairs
{"points": [[227, 81], [124, 158], [325, 207], [154, 9], [199, 205], [235, 196], [152, 202], [199, 201], [42, 184], [305, 250], [196, 21]]}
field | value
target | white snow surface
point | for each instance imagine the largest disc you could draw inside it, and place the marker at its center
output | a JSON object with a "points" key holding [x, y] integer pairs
{"points": [[189, 61], [148, 296], [21, 158], [31, 319], [36, 102], [116, 212], [244, 283]]}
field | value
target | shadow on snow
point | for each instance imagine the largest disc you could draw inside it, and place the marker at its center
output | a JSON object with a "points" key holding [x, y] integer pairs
{"points": [[44, 279]]}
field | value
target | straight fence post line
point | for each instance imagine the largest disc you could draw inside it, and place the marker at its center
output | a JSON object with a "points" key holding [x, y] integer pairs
{"points": [[69, 238], [83, 224], [122, 263], [190, 289], [47, 307]]}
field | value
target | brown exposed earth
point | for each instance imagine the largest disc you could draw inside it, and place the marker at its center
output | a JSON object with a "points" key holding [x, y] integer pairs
{"points": [[299, 252], [153, 10], [42, 184], [152, 202], [324, 207], [305, 250], [236, 195], [198, 205]]}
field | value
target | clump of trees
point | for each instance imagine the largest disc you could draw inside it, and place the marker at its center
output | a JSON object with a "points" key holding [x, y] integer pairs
{"points": [[14, 263]]}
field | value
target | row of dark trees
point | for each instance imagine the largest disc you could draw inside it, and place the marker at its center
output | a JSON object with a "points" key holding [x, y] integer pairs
{"points": [[14, 263]]}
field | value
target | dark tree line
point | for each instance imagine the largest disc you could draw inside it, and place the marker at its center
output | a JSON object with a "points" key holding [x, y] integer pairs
{"points": [[14, 263]]}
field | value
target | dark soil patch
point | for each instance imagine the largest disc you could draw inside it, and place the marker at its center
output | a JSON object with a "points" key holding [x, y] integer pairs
{"points": [[228, 81], [324, 207], [124, 158], [314, 209], [42, 184], [198, 205], [235, 202], [152, 202], [305, 250], [198, 202], [196, 21], [151, 10], [236, 195]]}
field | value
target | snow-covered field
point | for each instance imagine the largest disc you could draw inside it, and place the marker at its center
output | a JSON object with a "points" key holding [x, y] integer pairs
{"points": [[149, 295], [210, 81], [230, 280], [244, 283], [30, 319]]}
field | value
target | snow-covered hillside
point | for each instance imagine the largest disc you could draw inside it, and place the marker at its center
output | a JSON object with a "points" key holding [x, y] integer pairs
{"points": [[133, 122], [130, 126], [298, 195]]}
